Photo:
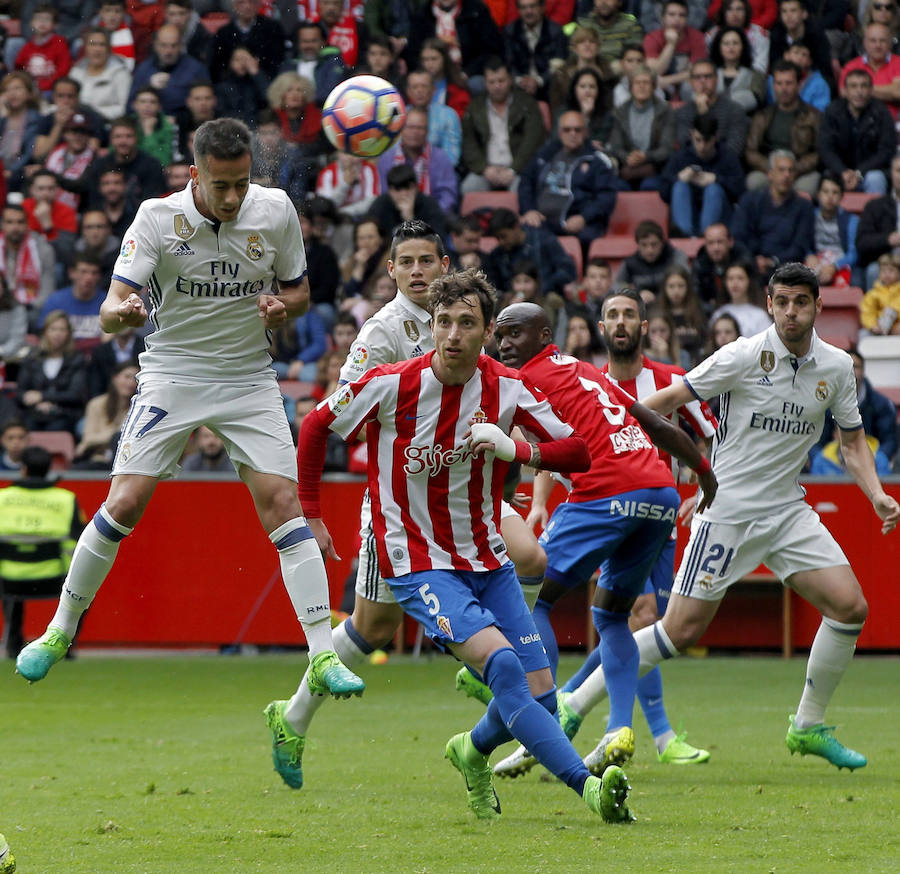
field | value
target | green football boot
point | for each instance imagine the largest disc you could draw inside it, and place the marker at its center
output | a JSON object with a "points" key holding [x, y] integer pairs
{"points": [[287, 745], [467, 682], [679, 752], [569, 720], [7, 859], [615, 748], [818, 740], [606, 795], [40, 655], [476, 772], [327, 674]]}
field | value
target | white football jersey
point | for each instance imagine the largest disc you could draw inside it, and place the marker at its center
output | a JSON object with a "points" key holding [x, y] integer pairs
{"points": [[772, 411], [205, 278], [400, 330]]}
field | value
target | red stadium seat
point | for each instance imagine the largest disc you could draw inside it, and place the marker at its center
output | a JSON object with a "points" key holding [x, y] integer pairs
{"points": [[60, 444], [855, 201], [572, 245], [212, 21], [689, 245], [487, 244], [295, 388], [617, 247], [841, 297], [491, 199], [633, 207]]}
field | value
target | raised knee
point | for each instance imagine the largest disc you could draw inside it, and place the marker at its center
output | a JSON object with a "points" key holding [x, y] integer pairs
{"points": [[855, 612], [533, 564]]}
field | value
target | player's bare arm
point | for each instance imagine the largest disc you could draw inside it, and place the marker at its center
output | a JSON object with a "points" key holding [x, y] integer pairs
{"points": [[861, 466], [667, 400], [541, 490], [673, 440], [323, 538], [123, 308]]}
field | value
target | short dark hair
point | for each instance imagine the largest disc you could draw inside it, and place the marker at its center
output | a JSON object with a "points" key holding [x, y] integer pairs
{"points": [[648, 228], [859, 72], [503, 219], [305, 24], [527, 267], [597, 261], [12, 423], [706, 125], [794, 274], [631, 294], [16, 207], [124, 121], [831, 176], [344, 317], [201, 83], [449, 288], [633, 47], [267, 116], [401, 176], [222, 138], [36, 462], [85, 258], [43, 171], [67, 80], [415, 229], [495, 63], [47, 8], [461, 223], [379, 39], [785, 66]]}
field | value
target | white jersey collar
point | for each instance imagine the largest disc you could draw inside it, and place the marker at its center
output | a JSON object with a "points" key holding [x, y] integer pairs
{"points": [[413, 308], [194, 216]]}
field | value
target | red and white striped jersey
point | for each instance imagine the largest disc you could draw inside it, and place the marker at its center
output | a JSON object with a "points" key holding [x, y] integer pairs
{"points": [[330, 184], [435, 505], [655, 376], [622, 457]]}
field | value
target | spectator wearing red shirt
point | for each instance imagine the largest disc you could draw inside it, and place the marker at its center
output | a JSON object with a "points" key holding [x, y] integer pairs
{"points": [[49, 215], [291, 97], [764, 12], [45, 57], [674, 47], [880, 64], [344, 31]]}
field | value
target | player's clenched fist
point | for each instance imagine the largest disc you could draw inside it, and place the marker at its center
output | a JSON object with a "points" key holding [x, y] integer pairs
{"points": [[131, 312], [272, 311]]}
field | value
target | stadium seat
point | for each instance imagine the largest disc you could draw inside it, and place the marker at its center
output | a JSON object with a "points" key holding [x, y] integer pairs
{"points": [[689, 245], [492, 199], [296, 389], [612, 247], [12, 26], [838, 323], [633, 207], [572, 245], [882, 357], [487, 244], [60, 444], [855, 201], [545, 113], [212, 21]]}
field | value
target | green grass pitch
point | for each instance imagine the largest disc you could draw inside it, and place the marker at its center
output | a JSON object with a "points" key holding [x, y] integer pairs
{"points": [[113, 766]]}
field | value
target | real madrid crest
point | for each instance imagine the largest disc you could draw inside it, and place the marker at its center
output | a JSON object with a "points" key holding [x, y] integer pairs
{"points": [[183, 227], [255, 249], [767, 360], [412, 329], [821, 390]]}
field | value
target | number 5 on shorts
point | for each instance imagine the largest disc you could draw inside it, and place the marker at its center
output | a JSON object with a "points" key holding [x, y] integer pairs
{"points": [[430, 599]]}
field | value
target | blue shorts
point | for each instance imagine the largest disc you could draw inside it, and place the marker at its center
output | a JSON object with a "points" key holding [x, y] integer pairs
{"points": [[660, 582], [454, 605], [622, 535]]}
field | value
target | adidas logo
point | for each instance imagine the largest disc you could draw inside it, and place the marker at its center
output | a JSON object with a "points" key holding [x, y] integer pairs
{"points": [[764, 381], [183, 249]]}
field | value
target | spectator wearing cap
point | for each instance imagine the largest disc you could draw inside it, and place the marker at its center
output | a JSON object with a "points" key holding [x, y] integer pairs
{"points": [[71, 159]]}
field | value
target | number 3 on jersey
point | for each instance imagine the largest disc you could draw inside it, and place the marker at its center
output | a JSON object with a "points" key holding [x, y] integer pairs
{"points": [[615, 413]]}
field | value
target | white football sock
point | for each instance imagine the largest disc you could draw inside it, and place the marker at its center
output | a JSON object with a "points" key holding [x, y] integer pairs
{"points": [[303, 572], [92, 559], [831, 651], [303, 706], [649, 640]]}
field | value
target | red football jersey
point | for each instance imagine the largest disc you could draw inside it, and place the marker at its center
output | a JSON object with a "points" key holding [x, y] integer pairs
{"points": [[622, 457], [654, 376]]}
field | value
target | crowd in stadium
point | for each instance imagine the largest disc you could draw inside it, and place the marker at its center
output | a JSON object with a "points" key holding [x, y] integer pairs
{"points": [[744, 134]]}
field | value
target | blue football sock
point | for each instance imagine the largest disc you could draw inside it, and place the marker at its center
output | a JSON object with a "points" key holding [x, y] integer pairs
{"points": [[541, 614], [619, 655], [650, 694], [591, 663], [529, 720]]}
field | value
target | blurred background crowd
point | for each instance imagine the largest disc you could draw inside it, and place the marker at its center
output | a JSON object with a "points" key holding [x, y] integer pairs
{"points": [[568, 147]]}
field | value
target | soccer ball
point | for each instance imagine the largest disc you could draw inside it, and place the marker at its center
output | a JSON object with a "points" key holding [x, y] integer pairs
{"points": [[363, 116]]}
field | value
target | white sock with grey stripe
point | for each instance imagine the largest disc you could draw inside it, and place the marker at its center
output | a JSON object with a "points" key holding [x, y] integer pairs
{"points": [[654, 646], [829, 656]]}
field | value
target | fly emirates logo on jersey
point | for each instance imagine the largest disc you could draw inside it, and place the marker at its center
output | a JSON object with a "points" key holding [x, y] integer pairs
{"points": [[225, 280], [789, 422]]}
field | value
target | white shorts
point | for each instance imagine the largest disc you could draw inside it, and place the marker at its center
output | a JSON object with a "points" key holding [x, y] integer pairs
{"points": [[718, 554], [369, 584], [248, 417]]}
